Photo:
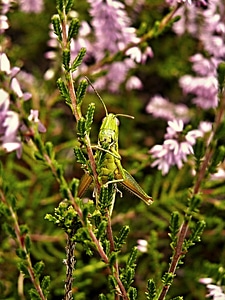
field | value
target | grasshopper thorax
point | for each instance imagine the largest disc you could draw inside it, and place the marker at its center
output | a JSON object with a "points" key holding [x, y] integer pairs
{"points": [[108, 133]]}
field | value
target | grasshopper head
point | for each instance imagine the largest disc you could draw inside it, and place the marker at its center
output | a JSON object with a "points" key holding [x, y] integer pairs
{"points": [[108, 134]]}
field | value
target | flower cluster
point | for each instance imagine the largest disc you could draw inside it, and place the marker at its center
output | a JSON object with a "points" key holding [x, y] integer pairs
{"points": [[208, 26], [196, 2], [110, 33], [216, 292], [5, 5], [142, 245], [10, 124], [35, 6], [113, 33], [204, 22], [160, 107], [176, 147]]}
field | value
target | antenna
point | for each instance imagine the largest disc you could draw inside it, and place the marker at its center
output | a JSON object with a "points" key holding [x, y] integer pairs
{"points": [[96, 92], [106, 112], [126, 116]]}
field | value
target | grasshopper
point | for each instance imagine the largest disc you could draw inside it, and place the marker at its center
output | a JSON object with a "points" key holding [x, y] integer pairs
{"points": [[108, 159]]}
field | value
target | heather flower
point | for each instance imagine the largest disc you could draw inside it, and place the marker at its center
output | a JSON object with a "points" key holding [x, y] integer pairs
{"points": [[173, 2], [3, 23], [142, 245], [211, 33], [176, 147], [12, 72], [4, 63], [5, 5], [195, 2], [35, 6], [116, 74], [111, 25], [160, 107], [205, 89], [133, 83], [113, 32], [216, 292], [33, 117], [219, 175], [136, 54], [9, 124]]}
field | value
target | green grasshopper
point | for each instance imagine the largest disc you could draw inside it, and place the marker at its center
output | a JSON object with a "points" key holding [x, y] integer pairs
{"points": [[108, 160]]}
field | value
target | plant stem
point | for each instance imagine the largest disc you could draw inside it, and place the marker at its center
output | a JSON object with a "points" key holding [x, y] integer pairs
{"points": [[178, 253], [176, 256], [76, 112], [20, 241], [70, 262]]}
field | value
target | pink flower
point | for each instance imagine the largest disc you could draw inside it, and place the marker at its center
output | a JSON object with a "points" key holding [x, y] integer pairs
{"points": [[160, 107], [176, 147], [33, 117], [9, 124]]}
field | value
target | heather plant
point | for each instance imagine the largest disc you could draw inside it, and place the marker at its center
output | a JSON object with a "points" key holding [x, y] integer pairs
{"points": [[68, 229]]}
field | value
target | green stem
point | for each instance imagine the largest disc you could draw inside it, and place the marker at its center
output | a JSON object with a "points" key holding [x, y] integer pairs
{"points": [[20, 239]]}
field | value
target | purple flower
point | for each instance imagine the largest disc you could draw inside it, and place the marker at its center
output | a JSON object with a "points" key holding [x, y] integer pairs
{"points": [[195, 2], [4, 63], [35, 6], [160, 107], [175, 148], [205, 89], [216, 292], [113, 33], [9, 124], [5, 5], [112, 26], [173, 2], [142, 245], [136, 54], [33, 117], [211, 34], [133, 83]]}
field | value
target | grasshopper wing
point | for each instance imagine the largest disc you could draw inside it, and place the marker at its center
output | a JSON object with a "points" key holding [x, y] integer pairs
{"points": [[131, 185], [85, 181]]}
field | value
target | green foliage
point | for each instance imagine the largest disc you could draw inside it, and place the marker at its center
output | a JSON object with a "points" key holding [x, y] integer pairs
{"points": [[34, 295], [38, 269], [151, 290], [66, 59], [195, 235], [221, 75], [31, 188], [73, 28], [65, 217], [217, 158], [89, 117], [63, 90], [174, 228], [57, 27], [167, 279], [106, 197], [45, 285], [68, 6], [121, 239], [81, 127], [78, 60], [81, 91], [132, 292]]}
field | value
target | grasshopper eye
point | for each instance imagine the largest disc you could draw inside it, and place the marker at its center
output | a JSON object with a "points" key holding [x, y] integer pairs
{"points": [[117, 122]]}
